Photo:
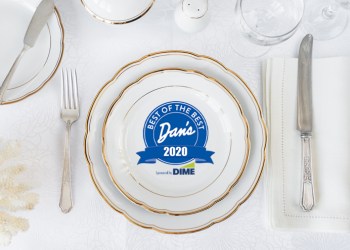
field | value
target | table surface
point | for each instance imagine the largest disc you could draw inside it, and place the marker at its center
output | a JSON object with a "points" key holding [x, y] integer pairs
{"points": [[97, 51]]}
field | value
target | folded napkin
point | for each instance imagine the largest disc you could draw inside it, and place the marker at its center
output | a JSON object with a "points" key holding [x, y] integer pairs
{"points": [[330, 148]]}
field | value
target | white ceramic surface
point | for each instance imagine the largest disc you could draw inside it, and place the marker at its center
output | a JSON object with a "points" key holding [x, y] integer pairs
{"points": [[117, 11], [39, 63], [192, 15], [207, 111], [163, 222]]}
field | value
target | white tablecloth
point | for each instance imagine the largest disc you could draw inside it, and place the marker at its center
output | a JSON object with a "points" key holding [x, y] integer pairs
{"points": [[97, 51]]}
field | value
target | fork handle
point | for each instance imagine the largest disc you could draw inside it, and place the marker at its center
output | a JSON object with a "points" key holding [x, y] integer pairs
{"points": [[66, 202]]}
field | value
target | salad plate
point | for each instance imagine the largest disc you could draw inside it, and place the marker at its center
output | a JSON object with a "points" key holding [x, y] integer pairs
{"points": [[175, 141], [163, 222], [40, 63], [117, 11]]}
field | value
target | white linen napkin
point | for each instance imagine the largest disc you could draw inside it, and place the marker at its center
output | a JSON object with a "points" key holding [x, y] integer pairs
{"points": [[330, 148]]}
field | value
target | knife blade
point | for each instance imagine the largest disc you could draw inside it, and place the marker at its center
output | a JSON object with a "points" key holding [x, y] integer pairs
{"points": [[304, 120], [39, 20], [37, 23]]}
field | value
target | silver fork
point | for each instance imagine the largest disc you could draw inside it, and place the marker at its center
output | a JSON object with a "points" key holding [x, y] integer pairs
{"points": [[69, 114]]}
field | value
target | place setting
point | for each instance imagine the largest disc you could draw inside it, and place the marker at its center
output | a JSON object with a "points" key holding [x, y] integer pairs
{"points": [[161, 154], [177, 141]]}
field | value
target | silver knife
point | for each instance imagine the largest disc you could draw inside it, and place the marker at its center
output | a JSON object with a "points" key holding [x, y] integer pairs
{"points": [[39, 20], [304, 123]]}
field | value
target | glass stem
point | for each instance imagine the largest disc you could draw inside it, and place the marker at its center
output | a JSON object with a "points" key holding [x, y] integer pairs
{"points": [[330, 11]]}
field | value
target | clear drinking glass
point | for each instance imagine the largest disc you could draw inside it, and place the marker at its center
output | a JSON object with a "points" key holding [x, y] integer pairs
{"points": [[326, 19], [262, 23]]}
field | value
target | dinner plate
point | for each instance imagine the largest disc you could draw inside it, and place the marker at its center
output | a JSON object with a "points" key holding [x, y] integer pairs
{"points": [[117, 11], [175, 141], [39, 64], [163, 222]]}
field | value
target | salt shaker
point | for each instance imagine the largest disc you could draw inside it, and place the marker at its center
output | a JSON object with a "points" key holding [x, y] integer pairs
{"points": [[192, 15]]}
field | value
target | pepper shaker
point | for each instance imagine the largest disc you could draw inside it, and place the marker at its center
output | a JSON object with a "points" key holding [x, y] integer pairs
{"points": [[192, 15]]}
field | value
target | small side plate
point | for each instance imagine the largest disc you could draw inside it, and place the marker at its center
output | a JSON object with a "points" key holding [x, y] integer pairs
{"points": [[47, 53]]}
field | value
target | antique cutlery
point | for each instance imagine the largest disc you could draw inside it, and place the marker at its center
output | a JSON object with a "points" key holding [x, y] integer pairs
{"points": [[69, 114], [304, 120], [39, 20]]}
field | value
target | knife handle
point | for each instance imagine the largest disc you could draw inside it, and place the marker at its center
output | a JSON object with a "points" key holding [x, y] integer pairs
{"points": [[307, 189], [10, 74]]}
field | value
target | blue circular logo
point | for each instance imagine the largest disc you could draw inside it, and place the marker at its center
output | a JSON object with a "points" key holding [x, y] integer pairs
{"points": [[175, 133]]}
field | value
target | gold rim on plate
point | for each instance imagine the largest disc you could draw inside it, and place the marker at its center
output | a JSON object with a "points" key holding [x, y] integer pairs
{"points": [[108, 21], [210, 203], [58, 16], [154, 227]]}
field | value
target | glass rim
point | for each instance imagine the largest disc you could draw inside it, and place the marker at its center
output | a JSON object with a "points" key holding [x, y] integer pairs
{"points": [[291, 31]]}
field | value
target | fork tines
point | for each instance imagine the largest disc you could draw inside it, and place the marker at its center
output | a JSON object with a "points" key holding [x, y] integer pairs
{"points": [[69, 90]]}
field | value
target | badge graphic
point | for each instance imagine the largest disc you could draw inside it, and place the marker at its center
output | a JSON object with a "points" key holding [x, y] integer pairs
{"points": [[175, 133]]}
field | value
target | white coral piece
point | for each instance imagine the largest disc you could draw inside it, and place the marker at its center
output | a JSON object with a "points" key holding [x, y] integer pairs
{"points": [[15, 193]]}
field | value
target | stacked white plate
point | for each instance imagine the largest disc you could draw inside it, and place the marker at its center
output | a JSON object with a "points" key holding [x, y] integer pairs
{"points": [[40, 62], [181, 135]]}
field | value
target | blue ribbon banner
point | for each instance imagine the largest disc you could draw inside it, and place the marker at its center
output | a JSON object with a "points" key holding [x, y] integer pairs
{"points": [[199, 154]]}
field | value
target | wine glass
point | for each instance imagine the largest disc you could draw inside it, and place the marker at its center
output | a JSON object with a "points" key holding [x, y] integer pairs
{"points": [[261, 24], [326, 19]]}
